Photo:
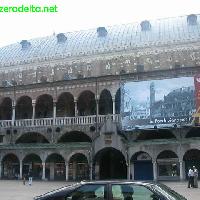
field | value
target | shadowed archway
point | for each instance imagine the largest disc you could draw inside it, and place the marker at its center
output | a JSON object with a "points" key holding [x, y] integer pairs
{"points": [[110, 163]]}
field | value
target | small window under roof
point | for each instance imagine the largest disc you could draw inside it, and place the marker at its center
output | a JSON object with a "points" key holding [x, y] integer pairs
{"points": [[145, 25], [102, 32], [192, 19], [25, 44], [61, 38]]}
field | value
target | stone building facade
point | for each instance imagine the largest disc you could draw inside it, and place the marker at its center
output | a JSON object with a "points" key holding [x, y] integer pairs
{"points": [[60, 103]]}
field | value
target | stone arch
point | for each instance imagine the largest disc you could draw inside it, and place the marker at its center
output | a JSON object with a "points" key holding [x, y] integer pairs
{"points": [[141, 155], [105, 103], [32, 161], [168, 165], [10, 166], [55, 167], [6, 109], [86, 103], [31, 137], [143, 166], [44, 106], [110, 163], [65, 105], [24, 109], [74, 136], [78, 167]]}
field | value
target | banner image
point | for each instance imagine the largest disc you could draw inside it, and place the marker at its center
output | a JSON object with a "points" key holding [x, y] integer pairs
{"points": [[161, 103]]}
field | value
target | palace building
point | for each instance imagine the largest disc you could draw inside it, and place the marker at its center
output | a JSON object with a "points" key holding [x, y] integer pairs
{"points": [[64, 102]]}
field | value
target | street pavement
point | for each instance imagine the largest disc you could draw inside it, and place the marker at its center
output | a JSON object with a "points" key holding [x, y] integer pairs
{"points": [[15, 190]]}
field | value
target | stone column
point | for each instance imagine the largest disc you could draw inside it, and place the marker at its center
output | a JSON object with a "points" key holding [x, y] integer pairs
{"points": [[96, 171], [75, 108], [132, 170], [97, 106], [91, 170], [54, 112], [181, 170], [97, 111], [20, 169], [128, 170], [13, 112], [0, 170], [43, 171], [155, 175], [113, 99], [33, 115], [51, 171], [66, 171]]}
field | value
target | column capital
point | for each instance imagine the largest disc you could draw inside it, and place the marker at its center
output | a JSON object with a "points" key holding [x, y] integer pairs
{"points": [[97, 97], [13, 103], [54, 101], [33, 101]]}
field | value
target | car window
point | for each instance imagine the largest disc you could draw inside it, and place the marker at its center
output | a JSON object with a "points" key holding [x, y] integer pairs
{"points": [[132, 192], [88, 192]]}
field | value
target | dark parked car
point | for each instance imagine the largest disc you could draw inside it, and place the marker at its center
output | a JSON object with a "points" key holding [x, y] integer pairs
{"points": [[113, 190]]}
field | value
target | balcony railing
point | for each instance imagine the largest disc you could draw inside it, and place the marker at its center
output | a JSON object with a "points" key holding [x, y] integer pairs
{"points": [[59, 121]]}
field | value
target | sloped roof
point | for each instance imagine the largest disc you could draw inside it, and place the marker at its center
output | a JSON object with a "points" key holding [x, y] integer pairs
{"points": [[87, 42]]}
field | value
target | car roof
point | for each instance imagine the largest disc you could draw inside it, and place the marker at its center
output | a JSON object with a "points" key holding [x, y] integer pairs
{"points": [[75, 185]]}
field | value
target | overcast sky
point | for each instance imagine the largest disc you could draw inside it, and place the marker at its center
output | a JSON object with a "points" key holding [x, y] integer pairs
{"points": [[85, 14]]}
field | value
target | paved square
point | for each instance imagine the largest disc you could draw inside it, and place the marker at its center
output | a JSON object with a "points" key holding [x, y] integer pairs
{"points": [[15, 190]]}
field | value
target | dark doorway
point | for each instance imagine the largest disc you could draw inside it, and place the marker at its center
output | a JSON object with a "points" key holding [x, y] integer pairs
{"points": [[192, 158], [112, 164], [143, 167]]}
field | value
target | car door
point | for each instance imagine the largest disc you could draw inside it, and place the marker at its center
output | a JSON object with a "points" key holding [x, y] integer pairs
{"points": [[132, 191], [89, 192]]}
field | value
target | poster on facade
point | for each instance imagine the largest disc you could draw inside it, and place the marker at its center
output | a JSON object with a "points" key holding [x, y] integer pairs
{"points": [[161, 103]]}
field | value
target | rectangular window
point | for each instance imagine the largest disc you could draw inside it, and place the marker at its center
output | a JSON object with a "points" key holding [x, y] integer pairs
{"points": [[89, 192]]}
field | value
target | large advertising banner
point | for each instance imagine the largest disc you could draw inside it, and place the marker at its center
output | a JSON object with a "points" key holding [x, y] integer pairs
{"points": [[161, 103], [197, 91]]}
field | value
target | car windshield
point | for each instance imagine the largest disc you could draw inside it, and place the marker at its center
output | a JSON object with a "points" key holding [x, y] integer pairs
{"points": [[171, 194], [65, 188]]}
